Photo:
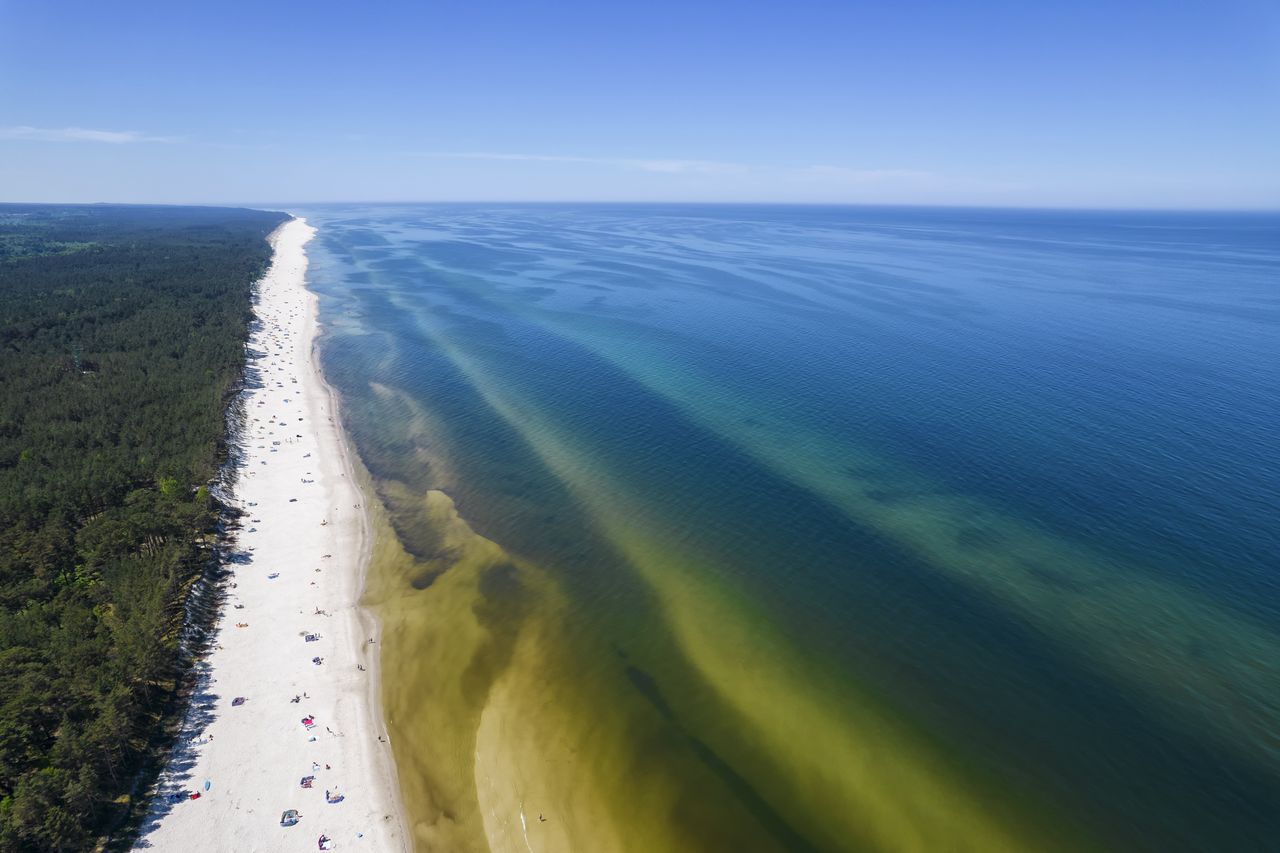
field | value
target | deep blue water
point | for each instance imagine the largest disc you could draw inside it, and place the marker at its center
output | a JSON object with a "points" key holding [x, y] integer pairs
{"points": [[1014, 473]]}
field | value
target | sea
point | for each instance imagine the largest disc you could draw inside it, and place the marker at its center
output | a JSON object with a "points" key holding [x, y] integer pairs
{"points": [[736, 528]]}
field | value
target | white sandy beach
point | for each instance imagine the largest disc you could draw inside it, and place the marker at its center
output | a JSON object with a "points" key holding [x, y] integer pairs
{"points": [[300, 572]]}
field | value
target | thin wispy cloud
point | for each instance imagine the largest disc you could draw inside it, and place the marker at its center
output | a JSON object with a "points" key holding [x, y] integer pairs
{"points": [[672, 166], [822, 172], [844, 173], [78, 134]]}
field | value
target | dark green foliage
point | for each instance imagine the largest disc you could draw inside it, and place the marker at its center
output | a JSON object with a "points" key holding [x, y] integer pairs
{"points": [[121, 340]]}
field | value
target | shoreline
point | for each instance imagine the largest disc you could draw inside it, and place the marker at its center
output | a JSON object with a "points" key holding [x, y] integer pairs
{"points": [[291, 640], [369, 622]]}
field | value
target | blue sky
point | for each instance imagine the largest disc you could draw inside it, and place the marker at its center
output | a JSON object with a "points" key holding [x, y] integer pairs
{"points": [[1108, 104]]}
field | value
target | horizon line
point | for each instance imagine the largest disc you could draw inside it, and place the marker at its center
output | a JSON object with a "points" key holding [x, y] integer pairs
{"points": [[273, 205]]}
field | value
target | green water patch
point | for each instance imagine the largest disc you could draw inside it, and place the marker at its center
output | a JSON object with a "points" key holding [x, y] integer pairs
{"points": [[502, 711], [1055, 737], [1211, 670], [1208, 668], [838, 773], [491, 675]]}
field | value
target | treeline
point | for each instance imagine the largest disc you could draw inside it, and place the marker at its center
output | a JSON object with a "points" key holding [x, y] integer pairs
{"points": [[122, 336]]}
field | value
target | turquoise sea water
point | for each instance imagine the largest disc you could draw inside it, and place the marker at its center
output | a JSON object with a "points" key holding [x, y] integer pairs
{"points": [[961, 516]]}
